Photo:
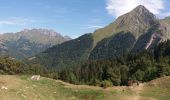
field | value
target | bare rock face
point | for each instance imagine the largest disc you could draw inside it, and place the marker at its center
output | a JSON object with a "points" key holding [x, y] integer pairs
{"points": [[165, 31], [162, 34], [138, 21]]}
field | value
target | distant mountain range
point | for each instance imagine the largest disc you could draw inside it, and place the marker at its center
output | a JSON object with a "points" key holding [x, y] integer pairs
{"points": [[134, 32], [27, 43]]}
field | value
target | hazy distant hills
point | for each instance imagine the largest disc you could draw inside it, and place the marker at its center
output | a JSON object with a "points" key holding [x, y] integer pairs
{"points": [[29, 42], [133, 32]]}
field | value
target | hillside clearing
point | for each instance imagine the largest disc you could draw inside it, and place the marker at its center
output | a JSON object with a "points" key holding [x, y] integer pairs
{"points": [[23, 88]]}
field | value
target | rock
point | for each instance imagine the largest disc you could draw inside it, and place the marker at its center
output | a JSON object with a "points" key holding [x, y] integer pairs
{"points": [[23, 95], [35, 77], [4, 88]]}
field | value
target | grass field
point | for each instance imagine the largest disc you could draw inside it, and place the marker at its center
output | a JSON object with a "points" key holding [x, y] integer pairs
{"points": [[23, 88]]}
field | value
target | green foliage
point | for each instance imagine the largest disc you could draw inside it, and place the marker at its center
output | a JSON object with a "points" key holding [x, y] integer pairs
{"points": [[68, 76], [142, 67], [139, 75], [162, 50], [113, 47], [11, 66], [124, 72], [67, 54], [23, 48], [106, 83]]}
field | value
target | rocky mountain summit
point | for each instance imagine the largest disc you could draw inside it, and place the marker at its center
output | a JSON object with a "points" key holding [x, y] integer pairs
{"points": [[29, 42], [138, 21], [133, 32]]}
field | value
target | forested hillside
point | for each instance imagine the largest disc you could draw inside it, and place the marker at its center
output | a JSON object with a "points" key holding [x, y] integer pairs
{"points": [[142, 67], [67, 54]]}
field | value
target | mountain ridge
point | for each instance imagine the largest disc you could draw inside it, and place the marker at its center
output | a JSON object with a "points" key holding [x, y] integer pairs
{"points": [[29, 42], [35, 33], [133, 32], [139, 16]]}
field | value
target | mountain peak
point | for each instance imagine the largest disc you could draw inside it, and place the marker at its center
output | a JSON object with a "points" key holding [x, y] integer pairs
{"points": [[137, 21], [142, 10], [47, 32], [141, 7]]}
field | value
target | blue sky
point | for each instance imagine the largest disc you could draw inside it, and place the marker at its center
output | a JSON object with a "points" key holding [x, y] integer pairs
{"points": [[68, 17]]}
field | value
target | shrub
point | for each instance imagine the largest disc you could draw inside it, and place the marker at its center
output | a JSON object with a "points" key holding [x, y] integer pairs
{"points": [[106, 83]]}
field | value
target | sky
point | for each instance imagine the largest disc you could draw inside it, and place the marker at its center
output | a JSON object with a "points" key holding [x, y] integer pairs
{"points": [[70, 17]]}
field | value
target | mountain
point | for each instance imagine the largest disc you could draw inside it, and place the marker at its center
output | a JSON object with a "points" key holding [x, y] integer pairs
{"points": [[66, 54], [166, 20], [132, 33], [136, 21], [27, 43]]}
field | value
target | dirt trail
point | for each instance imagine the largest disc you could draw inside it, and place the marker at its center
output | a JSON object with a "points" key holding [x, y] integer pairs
{"points": [[137, 90]]}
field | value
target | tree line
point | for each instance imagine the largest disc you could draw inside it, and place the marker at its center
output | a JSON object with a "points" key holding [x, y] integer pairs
{"points": [[142, 67]]}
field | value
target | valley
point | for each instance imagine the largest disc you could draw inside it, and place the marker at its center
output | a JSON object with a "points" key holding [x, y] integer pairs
{"points": [[123, 56]]}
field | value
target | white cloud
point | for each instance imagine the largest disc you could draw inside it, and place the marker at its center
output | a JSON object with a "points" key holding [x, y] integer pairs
{"points": [[95, 21], [92, 27], [120, 7], [16, 21]]}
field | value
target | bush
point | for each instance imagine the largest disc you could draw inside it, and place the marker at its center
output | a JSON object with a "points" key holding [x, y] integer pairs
{"points": [[106, 83]]}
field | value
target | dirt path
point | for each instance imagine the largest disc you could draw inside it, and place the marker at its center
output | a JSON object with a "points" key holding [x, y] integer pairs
{"points": [[137, 90]]}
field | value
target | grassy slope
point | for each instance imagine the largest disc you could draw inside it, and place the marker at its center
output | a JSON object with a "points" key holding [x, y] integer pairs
{"points": [[22, 88], [166, 20], [102, 33], [159, 88]]}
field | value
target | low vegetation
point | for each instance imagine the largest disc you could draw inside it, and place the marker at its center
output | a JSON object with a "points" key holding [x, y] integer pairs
{"points": [[23, 88]]}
